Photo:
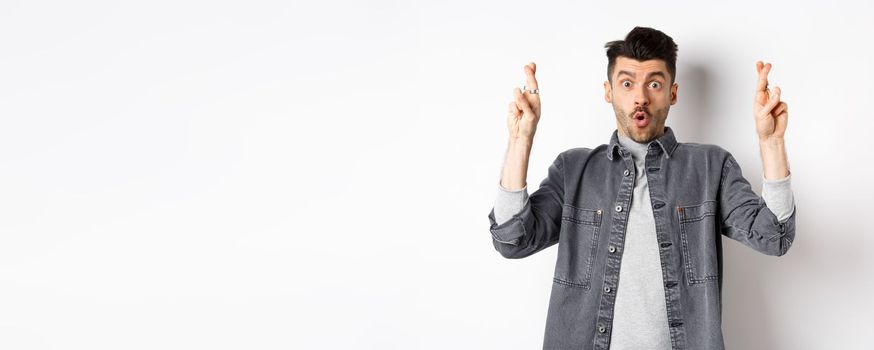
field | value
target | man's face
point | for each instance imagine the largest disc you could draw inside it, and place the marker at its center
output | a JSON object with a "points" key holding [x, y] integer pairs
{"points": [[641, 97]]}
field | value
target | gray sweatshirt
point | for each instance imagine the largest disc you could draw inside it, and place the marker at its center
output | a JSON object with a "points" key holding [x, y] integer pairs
{"points": [[640, 318]]}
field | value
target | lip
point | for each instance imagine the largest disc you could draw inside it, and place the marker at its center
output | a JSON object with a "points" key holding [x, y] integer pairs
{"points": [[641, 123]]}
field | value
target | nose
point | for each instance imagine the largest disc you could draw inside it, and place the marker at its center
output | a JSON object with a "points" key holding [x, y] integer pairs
{"points": [[641, 97]]}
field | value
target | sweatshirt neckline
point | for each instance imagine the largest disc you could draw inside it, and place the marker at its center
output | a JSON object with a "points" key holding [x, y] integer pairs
{"points": [[637, 149]]}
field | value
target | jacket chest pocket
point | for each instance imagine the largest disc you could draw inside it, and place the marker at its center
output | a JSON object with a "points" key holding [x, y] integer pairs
{"points": [[580, 229], [698, 234]]}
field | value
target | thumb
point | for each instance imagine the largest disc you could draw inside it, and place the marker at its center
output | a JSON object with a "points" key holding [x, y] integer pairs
{"points": [[772, 102]]}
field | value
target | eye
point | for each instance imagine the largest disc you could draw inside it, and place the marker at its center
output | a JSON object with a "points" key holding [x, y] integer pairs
{"points": [[626, 83], [655, 85]]}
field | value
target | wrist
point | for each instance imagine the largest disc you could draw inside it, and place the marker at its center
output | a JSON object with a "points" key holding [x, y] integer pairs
{"points": [[775, 164], [771, 141], [520, 144]]}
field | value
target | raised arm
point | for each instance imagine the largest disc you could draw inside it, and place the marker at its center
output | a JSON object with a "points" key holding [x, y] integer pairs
{"points": [[522, 118], [522, 225], [771, 116]]}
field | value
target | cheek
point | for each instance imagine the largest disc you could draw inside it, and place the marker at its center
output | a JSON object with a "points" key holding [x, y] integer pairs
{"points": [[667, 94], [660, 99], [620, 99]]}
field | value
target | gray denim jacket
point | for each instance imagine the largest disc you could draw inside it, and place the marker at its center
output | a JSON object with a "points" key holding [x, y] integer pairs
{"points": [[698, 194]]}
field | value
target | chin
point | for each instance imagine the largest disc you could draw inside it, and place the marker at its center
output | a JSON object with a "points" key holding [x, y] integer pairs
{"points": [[643, 136]]}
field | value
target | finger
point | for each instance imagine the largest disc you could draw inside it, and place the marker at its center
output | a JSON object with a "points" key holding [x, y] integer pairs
{"points": [[772, 102], [522, 102], [530, 81], [762, 84], [761, 96], [781, 107], [512, 110], [782, 120]]}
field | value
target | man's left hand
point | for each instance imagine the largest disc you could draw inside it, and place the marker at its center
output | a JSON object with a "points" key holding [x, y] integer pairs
{"points": [[771, 113]]}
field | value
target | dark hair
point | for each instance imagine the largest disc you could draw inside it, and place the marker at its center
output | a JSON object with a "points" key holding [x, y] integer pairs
{"points": [[643, 44]]}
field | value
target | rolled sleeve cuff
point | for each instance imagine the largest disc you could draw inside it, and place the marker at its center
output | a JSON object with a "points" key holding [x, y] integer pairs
{"points": [[777, 195], [509, 203]]}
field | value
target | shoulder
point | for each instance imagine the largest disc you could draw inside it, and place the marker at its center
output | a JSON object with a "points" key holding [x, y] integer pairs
{"points": [[708, 156], [576, 152], [581, 154], [702, 150], [579, 158]]}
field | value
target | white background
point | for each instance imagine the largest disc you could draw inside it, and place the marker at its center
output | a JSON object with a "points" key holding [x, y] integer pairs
{"points": [[275, 175]]}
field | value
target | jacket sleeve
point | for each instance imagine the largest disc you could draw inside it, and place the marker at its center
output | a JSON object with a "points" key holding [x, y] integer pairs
{"points": [[537, 225], [747, 219]]}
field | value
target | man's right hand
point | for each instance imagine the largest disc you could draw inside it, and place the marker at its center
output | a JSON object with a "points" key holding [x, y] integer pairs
{"points": [[524, 110], [522, 121]]}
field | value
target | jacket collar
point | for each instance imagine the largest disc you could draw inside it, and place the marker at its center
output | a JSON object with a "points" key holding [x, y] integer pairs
{"points": [[667, 142]]}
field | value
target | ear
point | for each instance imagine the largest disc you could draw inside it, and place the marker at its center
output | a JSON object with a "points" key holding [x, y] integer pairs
{"points": [[674, 88], [608, 95]]}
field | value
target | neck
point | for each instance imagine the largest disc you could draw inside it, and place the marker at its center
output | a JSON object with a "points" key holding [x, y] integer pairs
{"points": [[637, 149]]}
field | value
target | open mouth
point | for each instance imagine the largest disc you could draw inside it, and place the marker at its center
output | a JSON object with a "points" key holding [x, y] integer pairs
{"points": [[641, 119]]}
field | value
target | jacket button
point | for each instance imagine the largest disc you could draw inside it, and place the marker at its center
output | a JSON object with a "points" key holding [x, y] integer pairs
{"points": [[618, 208], [665, 244], [658, 204], [612, 249], [606, 289], [670, 284], [626, 172], [602, 329]]}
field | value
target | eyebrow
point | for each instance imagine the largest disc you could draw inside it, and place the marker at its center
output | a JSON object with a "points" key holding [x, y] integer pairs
{"points": [[659, 73]]}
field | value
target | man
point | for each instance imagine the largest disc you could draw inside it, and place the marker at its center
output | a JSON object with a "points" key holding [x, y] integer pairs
{"points": [[638, 221]]}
